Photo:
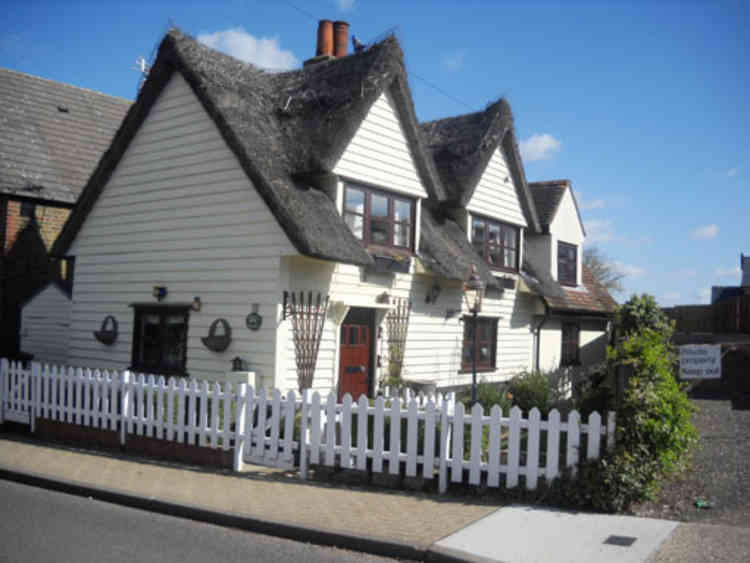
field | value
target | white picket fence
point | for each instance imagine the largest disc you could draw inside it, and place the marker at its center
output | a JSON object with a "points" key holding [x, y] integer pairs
{"points": [[496, 445], [431, 436]]}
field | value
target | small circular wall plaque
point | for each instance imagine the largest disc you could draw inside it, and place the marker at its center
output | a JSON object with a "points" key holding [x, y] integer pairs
{"points": [[253, 321]]}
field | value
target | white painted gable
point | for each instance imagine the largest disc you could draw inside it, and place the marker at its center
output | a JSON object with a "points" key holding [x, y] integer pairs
{"points": [[379, 153], [495, 195], [566, 226]]}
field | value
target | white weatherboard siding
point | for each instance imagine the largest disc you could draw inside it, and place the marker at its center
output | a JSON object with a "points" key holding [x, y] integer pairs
{"points": [[379, 153], [45, 326], [178, 212], [495, 197], [566, 227], [434, 343]]}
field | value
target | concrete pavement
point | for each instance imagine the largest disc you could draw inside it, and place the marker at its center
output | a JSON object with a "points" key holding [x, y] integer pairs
{"points": [[397, 524]]}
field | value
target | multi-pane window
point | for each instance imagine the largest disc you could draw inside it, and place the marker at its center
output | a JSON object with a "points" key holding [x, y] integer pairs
{"points": [[570, 344], [160, 339], [486, 345], [496, 242], [567, 263], [379, 218]]}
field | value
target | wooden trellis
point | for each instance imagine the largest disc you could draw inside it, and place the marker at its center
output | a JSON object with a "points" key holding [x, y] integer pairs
{"points": [[397, 321], [308, 317]]}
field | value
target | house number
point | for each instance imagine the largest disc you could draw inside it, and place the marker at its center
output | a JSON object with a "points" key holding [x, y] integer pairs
{"points": [[253, 321]]}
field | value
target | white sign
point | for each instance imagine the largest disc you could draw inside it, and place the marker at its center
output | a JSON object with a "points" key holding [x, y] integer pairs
{"points": [[700, 361]]}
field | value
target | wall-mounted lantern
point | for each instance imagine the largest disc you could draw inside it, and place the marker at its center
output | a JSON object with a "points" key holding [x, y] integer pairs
{"points": [[196, 306], [473, 294], [237, 364], [160, 292]]}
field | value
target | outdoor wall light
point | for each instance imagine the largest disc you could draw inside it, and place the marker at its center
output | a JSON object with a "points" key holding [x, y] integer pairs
{"points": [[433, 293], [196, 306], [160, 292], [237, 363], [473, 294]]}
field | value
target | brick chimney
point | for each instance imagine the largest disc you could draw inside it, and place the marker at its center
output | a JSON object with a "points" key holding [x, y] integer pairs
{"points": [[340, 38], [332, 41]]}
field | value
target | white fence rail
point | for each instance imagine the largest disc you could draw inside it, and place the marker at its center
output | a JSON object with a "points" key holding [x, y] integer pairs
{"points": [[430, 436], [432, 441]]}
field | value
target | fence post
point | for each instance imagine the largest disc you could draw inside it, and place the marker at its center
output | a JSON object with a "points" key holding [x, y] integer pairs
{"points": [[239, 426], [303, 434], [124, 404], [35, 389], [443, 467], [3, 377]]}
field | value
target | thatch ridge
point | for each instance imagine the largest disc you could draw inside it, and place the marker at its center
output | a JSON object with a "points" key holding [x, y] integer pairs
{"points": [[287, 129], [463, 145]]}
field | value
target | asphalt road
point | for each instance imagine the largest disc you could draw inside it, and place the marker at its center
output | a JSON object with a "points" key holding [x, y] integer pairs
{"points": [[37, 525]]}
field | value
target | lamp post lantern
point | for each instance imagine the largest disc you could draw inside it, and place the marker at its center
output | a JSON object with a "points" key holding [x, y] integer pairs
{"points": [[473, 294]]}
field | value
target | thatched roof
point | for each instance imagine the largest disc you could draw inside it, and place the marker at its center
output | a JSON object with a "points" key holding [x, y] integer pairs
{"points": [[445, 250], [463, 145], [287, 130], [547, 197], [52, 135], [592, 299]]}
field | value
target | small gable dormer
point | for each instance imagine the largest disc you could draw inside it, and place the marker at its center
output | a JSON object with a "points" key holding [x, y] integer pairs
{"points": [[480, 166], [380, 189], [559, 249]]}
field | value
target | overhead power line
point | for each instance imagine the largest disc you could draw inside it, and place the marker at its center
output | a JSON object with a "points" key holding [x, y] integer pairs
{"points": [[414, 74]]}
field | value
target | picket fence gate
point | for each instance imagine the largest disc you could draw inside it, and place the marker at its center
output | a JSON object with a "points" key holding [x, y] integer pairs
{"points": [[431, 436]]}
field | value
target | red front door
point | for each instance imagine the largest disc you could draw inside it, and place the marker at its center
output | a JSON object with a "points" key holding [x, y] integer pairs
{"points": [[354, 362]]}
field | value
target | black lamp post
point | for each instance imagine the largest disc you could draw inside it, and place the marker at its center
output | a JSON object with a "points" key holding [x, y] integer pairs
{"points": [[473, 293]]}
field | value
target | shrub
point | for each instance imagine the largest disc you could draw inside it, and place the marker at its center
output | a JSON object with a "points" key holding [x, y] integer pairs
{"points": [[641, 312], [654, 428], [529, 390]]}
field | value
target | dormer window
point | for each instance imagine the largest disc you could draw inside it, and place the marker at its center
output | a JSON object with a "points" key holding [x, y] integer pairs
{"points": [[567, 263], [379, 218], [496, 242]]}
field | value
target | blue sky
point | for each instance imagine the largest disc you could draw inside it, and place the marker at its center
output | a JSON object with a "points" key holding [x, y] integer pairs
{"points": [[643, 105]]}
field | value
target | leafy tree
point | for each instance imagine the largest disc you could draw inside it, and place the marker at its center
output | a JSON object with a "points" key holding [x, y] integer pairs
{"points": [[604, 270]]}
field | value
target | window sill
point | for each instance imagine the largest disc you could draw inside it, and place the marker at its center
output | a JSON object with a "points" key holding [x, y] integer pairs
{"points": [[479, 370]]}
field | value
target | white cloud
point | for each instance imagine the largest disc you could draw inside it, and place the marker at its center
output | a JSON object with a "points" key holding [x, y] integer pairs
{"points": [[704, 295], [728, 272], [629, 270], [265, 52], [599, 230], [453, 62], [587, 205], [345, 5], [705, 232], [540, 146], [732, 172], [670, 298], [592, 204]]}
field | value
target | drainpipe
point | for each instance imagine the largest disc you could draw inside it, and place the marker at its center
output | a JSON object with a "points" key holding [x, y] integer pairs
{"points": [[545, 318]]}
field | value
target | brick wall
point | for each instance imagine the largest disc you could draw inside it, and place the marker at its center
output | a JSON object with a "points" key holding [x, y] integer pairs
{"points": [[50, 220], [26, 266]]}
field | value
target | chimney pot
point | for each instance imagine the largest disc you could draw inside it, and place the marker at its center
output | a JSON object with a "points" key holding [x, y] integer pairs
{"points": [[340, 38], [325, 38]]}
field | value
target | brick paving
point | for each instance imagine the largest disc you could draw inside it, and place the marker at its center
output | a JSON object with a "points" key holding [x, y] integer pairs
{"points": [[413, 519]]}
